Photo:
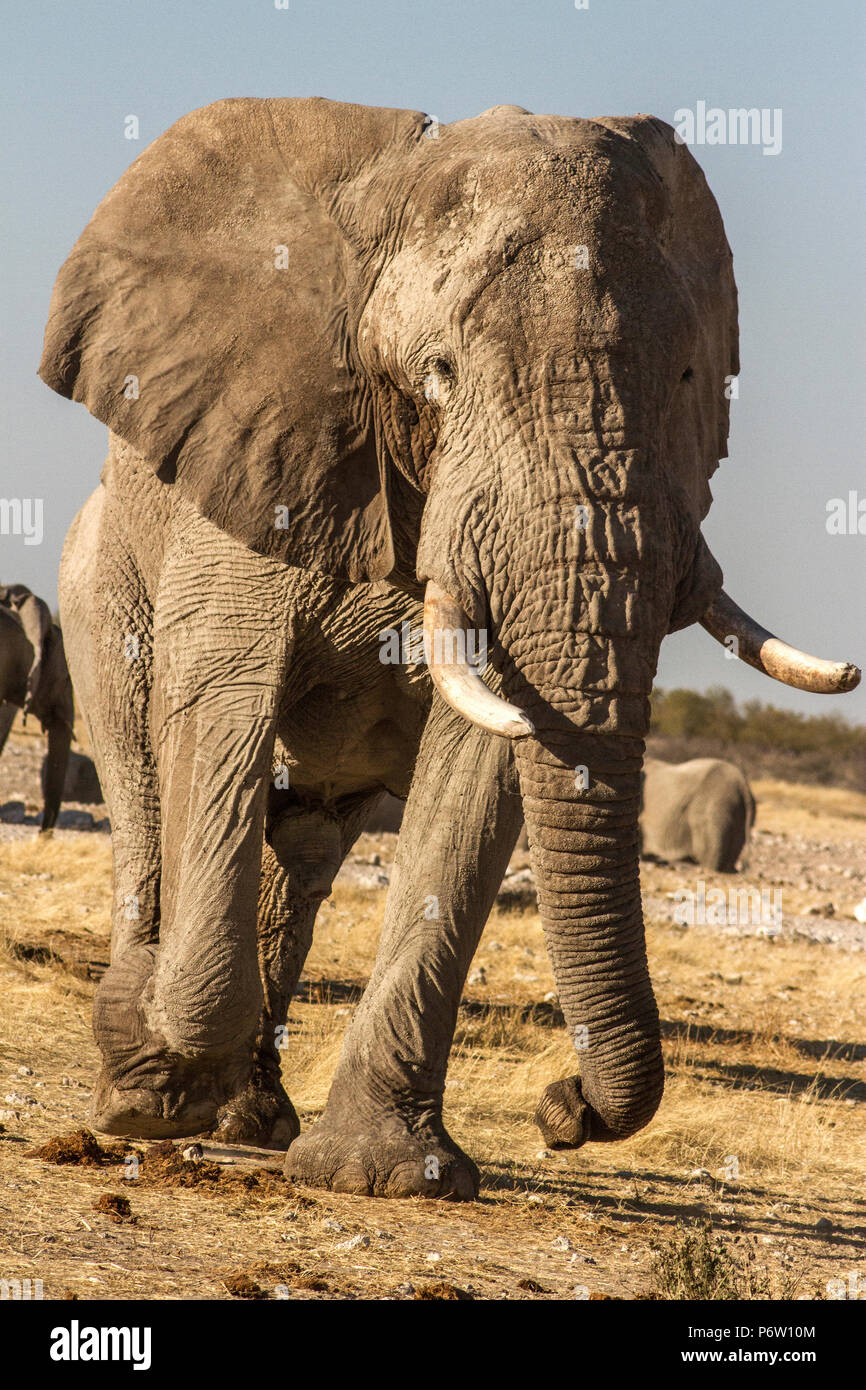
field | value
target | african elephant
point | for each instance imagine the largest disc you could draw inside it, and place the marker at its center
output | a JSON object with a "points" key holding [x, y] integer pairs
{"points": [[81, 783], [702, 809], [34, 677], [352, 360]]}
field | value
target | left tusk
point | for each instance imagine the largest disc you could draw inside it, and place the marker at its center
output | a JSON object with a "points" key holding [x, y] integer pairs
{"points": [[725, 619], [457, 682]]}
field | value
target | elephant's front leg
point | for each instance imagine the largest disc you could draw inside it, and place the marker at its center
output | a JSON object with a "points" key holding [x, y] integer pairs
{"points": [[174, 1054], [382, 1131]]}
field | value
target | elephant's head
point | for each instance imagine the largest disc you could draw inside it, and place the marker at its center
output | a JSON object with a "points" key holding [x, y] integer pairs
{"points": [[493, 358]]}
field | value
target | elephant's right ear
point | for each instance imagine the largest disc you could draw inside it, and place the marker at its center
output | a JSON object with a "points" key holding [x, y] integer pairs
{"points": [[204, 316]]}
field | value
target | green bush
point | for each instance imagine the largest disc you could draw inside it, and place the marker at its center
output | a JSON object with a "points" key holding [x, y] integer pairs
{"points": [[689, 714]]}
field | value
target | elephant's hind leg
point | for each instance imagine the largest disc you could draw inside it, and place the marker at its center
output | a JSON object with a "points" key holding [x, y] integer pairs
{"points": [[718, 841], [107, 624], [304, 848], [382, 1132]]}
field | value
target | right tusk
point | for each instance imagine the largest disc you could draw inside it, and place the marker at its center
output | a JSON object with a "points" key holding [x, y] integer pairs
{"points": [[457, 682], [725, 619]]}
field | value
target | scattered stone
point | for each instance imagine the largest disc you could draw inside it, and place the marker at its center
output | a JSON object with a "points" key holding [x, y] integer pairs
{"points": [[193, 1153], [824, 1226], [478, 977], [544, 1153], [329, 1224], [354, 1243], [25, 1071], [517, 892], [560, 1243], [700, 1175], [433, 1257], [532, 1286], [860, 912]]}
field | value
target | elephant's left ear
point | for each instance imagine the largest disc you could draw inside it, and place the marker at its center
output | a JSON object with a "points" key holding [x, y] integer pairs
{"points": [[205, 314]]}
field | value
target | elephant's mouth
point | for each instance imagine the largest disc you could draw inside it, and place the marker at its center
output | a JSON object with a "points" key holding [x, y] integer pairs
{"points": [[461, 686]]}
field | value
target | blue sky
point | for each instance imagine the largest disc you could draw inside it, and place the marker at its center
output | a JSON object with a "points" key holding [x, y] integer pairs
{"points": [[795, 221]]}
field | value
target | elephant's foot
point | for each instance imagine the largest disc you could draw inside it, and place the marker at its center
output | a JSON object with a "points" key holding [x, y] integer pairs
{"points": [[142, 1112], [389, 1160], [563, 1115], [261, 1115], [166, 1096]]}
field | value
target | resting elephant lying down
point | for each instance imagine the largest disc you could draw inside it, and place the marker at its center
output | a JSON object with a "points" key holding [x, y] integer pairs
{"points": [[348, 367]]}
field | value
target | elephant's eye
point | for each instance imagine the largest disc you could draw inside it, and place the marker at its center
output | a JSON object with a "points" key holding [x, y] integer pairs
{"points": [[438, 379], [687, 374]]}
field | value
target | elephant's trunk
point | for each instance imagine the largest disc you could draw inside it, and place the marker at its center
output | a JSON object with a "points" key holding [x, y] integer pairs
{"points": [[581, 800]]}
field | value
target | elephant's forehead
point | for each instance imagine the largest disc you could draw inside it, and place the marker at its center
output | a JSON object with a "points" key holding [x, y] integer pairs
{"points": [[574, 164]]}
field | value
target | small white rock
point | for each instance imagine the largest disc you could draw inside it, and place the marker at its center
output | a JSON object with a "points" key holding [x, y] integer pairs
{"points": [[354, 1243], [25, 1071], [329, 1224], [433, 1257], [193, 1153], [560, 1243]]}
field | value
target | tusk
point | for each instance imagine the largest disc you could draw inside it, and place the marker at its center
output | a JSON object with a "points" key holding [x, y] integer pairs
{"points": [[724, 619], [458, 683]]}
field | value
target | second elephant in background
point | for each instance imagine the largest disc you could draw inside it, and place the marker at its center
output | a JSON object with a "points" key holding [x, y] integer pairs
{"points": [[702, 810]]}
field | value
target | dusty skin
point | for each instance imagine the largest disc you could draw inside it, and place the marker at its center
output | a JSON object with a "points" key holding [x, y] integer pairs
{"points": [[351, 360], [762, 1054]]}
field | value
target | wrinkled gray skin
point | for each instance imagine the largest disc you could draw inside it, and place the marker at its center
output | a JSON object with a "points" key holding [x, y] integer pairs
{"points": [[431, 388], [701, 810], [49, 690]]}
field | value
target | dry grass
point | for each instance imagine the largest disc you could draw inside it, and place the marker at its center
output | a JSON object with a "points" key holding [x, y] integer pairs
{"points": [[765, 1064]]}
